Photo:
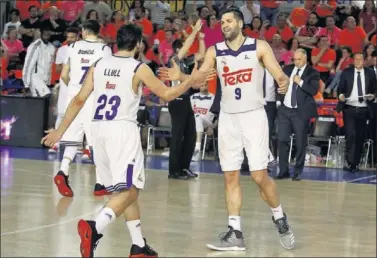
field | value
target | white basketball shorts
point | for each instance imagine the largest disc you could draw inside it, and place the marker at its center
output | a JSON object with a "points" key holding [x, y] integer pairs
{"points": [[202, 122], [238, 131], [118, 154], [81, 125], [38, 87]]}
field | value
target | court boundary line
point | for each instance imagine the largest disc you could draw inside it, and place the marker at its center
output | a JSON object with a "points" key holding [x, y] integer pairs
{"points": [[361, 178], [50, 225]]}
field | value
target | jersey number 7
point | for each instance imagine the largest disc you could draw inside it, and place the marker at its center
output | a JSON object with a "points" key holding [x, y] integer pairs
{"points": [[85, 69]]}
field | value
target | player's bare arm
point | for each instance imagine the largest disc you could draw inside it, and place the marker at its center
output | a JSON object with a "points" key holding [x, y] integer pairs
{"points": [[146, 75], [267, 57], [73, 109], [65, 73], [174, 73]]}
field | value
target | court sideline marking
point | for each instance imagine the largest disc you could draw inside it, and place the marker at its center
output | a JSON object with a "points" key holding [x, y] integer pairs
{"points": [[361, 178], [51, 225]]}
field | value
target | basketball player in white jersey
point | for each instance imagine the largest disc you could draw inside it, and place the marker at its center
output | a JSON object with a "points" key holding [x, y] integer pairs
{"points": [[243, 122], [201, 104], [81, 55], [61, 57], [116, 85]]}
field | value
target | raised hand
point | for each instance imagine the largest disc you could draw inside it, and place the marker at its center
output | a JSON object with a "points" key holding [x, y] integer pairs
{"points": [[170, 74]]}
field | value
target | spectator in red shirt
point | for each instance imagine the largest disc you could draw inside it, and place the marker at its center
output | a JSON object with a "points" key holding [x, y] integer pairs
{"points": [[168, 25], [269, 11], [353, 36], [110, 29], [212, 31], [256, 30], [13, 45], [344, 62], [368, 55], [367, 18], [331, 31], [306, 34], [165, 48], [287, 57], [71, 11], [281, 28], [323, 58], [277, 47]]}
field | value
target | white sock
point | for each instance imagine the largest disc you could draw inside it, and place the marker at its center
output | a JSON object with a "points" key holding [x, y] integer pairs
{"points": [[105, 217], [197, 146], [235, 222], [277, 212], [68, 156], [135, 232]]}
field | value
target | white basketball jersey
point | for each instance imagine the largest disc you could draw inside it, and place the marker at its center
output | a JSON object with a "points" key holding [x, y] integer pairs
{"points": [[241, 77], [81, 56], [201, 103], [114, 98]]}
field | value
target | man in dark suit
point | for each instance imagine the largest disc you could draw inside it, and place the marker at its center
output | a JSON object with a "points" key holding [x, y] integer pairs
{"points": [[374, 119], [356, 93], [296, 109]]}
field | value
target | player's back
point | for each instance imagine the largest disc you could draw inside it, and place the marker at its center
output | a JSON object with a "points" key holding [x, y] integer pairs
{"points": [[114, 97], [81, 56], [241, 76]]}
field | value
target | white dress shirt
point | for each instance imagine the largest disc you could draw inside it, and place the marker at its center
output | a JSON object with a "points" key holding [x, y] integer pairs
{"points": [[353, 99], [270, 88], [288, 95]]}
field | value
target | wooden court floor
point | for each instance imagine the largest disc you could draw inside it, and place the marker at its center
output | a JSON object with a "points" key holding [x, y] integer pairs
{"points": [[330, 219]]}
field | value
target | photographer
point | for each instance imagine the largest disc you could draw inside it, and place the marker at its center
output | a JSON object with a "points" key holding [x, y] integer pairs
{"points": [[182, 116]]}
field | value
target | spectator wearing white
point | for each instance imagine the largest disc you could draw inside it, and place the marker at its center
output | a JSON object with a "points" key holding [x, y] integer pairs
{"points": [[36, 73], [249, 11], [159, 10], [201, 104], [103, 10], [14, 23]]}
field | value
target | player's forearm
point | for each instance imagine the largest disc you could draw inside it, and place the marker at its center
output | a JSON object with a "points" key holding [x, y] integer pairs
{"points": [[183, 77], [71, 113], [173, 92]]}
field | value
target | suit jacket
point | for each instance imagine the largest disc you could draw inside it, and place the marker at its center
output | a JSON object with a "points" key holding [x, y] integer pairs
{"points": [[307, 108], [346, 84]]}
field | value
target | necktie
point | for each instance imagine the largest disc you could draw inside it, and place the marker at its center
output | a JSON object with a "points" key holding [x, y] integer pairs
{"points": [[264, 84], [359, 87], [294, 92]]}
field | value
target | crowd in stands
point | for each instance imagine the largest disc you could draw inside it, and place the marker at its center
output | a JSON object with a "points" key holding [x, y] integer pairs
{"points": [[330, 31]]}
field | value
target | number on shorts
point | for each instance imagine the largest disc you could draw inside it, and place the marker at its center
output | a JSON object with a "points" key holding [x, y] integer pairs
{"points": [[85, 69], [102, 101], [237, 92]]}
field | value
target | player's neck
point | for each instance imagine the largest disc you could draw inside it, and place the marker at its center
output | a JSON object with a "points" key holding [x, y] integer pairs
{"points": [[237, 42], [91, 38], [124, 53]]}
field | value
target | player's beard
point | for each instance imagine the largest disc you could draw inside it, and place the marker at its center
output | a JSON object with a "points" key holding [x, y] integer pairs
{"points": [[231, 35]]}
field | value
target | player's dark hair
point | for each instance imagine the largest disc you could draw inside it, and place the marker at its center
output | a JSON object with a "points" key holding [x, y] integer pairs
{"points": [[14, 11], [235, 11], [177, 44], [128, 37], [72, 30], [91, 26]]}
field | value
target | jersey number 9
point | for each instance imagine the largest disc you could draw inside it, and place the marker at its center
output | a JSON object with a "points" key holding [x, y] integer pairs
{"points": [[237, 92], [111, 113]]}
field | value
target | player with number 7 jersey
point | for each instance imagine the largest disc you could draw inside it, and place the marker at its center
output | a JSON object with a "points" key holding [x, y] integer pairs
{"points": [[81, 55]]}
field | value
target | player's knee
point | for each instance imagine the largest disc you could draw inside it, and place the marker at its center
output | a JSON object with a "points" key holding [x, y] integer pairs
{"points": [[259, 177], [231, 179]]}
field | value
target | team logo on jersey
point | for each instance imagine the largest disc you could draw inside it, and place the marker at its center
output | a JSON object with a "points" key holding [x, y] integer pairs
{"points": [[84, 61], [246, 57], [237, 77], [110, 86], [86, 51]]}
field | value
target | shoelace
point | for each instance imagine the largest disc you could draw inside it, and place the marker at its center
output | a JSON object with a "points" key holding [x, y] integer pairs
{"points": [[225, 236], [282, 226]]}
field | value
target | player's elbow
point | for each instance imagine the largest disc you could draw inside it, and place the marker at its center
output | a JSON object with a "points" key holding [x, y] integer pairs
{"points": [[167, 96], [78, 102]]}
